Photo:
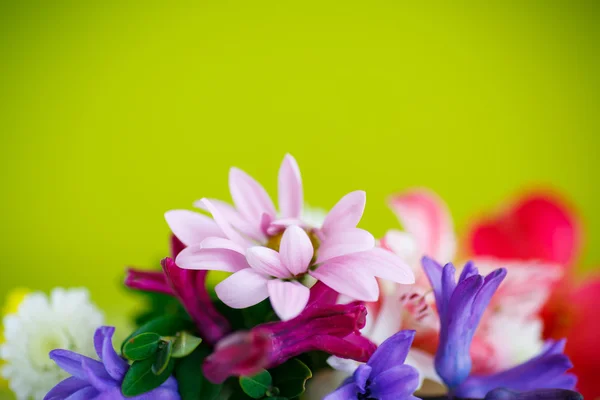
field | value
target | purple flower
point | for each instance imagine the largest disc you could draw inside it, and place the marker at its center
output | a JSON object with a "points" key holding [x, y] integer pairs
{"points": [[540, 394], [384, 376], [460, 307], [332, 328], [100, 380], [545, 371], [189, 287]]}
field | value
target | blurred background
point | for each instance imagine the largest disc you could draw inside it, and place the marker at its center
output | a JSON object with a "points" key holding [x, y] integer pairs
{"points": [[113, 113]]}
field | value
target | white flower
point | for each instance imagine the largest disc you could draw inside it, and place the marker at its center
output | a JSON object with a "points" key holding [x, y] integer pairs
{"points": [[66, 319]]}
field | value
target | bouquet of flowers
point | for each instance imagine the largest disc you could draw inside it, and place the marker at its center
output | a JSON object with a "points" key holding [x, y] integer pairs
{"points": [[316, 308]]}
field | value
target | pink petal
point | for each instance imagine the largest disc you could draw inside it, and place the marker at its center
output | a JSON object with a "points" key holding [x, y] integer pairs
{"points": [[291, 197], [249, 197], [345, 242], [221, 243], [191, 227], [296, 250], [224, 224], [287, 298], [381, 263], [425, 216], [243, 289], [267, 262], [240, 223], [346, 213], [213, 259], [346, 280]]}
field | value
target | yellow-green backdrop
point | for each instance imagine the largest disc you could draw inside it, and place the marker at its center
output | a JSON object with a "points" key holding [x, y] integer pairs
{"points": [[111, 114]]}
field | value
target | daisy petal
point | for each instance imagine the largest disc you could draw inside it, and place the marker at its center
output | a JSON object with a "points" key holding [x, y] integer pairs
{"points": [[381, 263], [290, 192], [249, 197], [191, 227], [234, 217], [224, 224], [346, 213], [213, 259], [346, 242], [221, 243], [352, 282], [243, 289], [287, 298], [296, 250], [267, 262]]}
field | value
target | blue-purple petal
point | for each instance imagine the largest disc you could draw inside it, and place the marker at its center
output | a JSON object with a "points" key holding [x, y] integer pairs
{"points": [[468, 271], [114, 365], [87, 393], [433, 270], [392, 352], [361, 376], [395, 383], [545, 371], [482, 300], [349, 391], [65, 388], [541, 394], [98, 379], [71, 362]]}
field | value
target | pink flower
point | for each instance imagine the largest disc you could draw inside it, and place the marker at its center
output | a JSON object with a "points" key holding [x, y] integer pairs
{"points": [[270, 254], [429, 232]]}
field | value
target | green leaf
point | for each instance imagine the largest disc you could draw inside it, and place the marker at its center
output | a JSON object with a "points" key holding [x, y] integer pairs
{"points": [[161, 361], [184, 344], [256, 386], [278, 398], [192, 383], [290, 378], [141, 346], [167, 325], [140, 378]]}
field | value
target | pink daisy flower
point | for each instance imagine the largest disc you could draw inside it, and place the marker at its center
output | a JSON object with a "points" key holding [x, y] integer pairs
{"points": [[269, 254]]}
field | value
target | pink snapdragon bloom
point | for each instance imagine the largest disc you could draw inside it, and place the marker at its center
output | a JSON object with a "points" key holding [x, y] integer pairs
{"points": [[515, 306], [270, 254], [186, 285], [322, 325]]}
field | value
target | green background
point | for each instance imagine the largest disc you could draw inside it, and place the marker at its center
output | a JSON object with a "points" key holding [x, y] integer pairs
{"points": [[112, 114]]}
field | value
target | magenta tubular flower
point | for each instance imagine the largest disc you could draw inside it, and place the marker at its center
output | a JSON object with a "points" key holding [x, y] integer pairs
{"points": [[269, 254], [100, 380], [545, 371], [384, 376], [321, 326], [460, 307], [189, 287]]}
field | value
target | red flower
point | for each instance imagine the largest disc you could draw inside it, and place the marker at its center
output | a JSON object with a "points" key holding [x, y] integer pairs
{"points": [[537, 226], [540, 226]]}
